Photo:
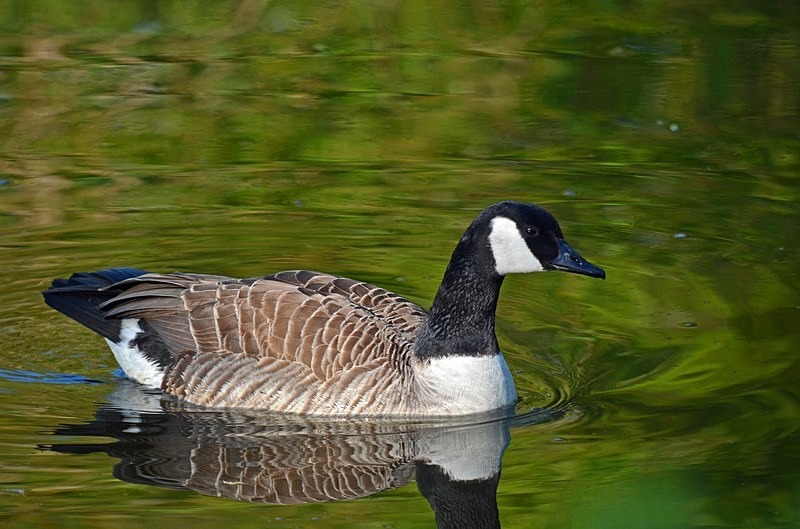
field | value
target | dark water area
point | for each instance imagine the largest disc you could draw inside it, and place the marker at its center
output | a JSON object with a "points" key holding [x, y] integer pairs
{"points": [[360, 139]]}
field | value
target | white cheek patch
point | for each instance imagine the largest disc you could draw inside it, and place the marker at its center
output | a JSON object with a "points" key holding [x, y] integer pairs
{"points": [[511, 254]]}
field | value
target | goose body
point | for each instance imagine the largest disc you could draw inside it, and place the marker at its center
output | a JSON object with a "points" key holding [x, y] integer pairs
{"points": [[312, 343]]}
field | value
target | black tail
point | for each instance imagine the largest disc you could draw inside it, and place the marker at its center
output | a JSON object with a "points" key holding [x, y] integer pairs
{"points": [[79, 296]]}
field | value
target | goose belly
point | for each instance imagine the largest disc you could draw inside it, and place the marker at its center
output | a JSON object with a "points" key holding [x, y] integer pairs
{"points": [[457, 385]]}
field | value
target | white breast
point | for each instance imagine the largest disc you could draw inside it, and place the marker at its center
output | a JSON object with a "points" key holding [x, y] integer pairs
{"points": [[465, 453], [466, 384]]}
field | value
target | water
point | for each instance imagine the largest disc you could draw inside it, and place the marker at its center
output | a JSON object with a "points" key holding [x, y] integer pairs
{"points": [[361, 139]]}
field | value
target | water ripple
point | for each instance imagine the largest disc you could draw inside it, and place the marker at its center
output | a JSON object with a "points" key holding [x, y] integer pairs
{"points": [[22, 375]]}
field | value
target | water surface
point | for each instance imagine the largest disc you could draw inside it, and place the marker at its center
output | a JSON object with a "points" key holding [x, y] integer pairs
{"points": [[361, 139]]}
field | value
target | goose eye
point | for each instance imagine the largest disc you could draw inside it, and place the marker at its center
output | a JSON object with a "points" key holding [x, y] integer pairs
{"points": [[532, 231]]}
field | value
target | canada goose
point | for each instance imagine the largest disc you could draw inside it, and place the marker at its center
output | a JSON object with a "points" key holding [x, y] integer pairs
{"points": [[311, 343]]}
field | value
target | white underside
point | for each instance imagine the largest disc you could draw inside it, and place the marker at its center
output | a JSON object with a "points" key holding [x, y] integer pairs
{"points": [[511, 253], [462, 385], [466, 454], [131, 360]]}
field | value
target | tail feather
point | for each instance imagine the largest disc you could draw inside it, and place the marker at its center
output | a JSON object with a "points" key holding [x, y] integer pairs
{"points": [[80, 296]]}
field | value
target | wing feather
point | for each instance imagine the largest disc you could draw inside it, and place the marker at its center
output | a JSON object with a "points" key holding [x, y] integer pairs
{"points": [[294, 341]]}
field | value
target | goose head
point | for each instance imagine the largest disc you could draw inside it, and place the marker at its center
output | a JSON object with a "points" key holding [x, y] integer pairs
{"points": [[457, 341], [527, 238]]}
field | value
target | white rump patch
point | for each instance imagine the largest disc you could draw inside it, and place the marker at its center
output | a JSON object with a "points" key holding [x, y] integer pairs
{"points": [[511, 254], [459, 385], [133, 361]]}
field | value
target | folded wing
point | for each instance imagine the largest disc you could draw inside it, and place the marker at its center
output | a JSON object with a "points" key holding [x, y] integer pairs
{"points": [[294, 341]]}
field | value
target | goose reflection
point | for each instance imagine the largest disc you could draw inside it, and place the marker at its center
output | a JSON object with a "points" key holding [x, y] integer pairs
{"points": [[280, 459]]}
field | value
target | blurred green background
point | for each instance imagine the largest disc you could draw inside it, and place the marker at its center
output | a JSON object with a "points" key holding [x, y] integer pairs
{"points": [[361, 138]]}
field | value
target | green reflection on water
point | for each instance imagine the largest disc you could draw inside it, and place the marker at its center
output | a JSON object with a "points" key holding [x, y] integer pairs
{"points": [[360, 139]]}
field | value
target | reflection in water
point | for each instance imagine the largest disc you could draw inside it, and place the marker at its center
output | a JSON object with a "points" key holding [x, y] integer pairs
{"points": [[283, 459]]}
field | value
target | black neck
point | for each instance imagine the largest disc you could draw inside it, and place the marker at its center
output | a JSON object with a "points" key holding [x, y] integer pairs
{"points": [[461, 319], [459, 504]]}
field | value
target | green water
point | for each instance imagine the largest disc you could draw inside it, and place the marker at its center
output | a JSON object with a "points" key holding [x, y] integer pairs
{"points": [[361, 138]]}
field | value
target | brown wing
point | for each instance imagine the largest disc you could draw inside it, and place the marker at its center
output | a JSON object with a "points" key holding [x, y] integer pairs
{"points": [[296, 341], [395, 310], [298, 469]]}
